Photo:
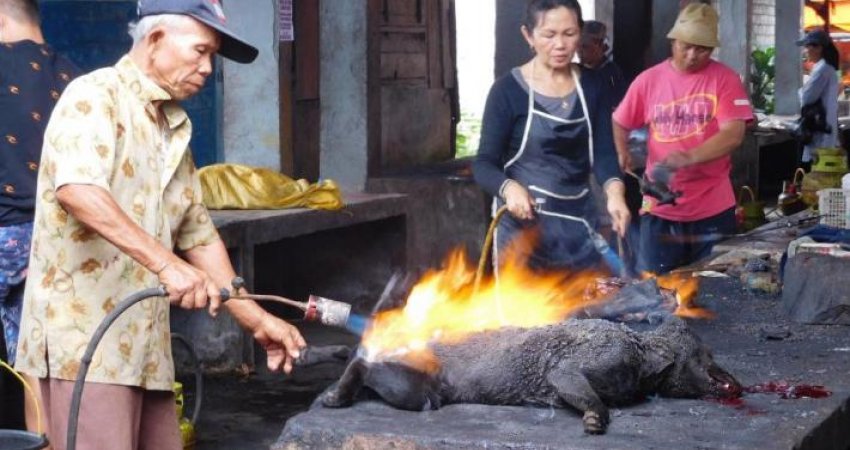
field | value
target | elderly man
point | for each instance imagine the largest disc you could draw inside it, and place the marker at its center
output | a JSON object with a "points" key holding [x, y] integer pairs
{"points": [[32, 76], [117, 192], [593, 53], [696, 110]]}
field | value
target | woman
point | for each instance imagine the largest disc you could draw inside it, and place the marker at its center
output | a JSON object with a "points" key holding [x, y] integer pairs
{"points": [[821, 86], [546, 125]]}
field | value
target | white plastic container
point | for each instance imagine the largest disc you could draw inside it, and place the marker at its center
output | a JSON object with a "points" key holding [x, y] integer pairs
{"points": [[832, 204], [845, 186]]}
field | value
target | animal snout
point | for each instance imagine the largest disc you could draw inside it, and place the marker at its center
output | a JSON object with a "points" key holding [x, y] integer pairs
{"points": [[724, 384]]}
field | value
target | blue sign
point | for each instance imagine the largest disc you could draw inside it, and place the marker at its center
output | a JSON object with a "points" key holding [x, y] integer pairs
{"points": [[93, 34]]}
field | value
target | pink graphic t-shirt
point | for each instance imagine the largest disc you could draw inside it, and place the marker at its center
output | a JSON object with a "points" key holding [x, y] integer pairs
{"points": [[682, 111]]}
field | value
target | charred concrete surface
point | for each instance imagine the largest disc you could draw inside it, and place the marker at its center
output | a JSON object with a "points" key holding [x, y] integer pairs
{"points": [[813, 294], [247, 411], [751, 337]]}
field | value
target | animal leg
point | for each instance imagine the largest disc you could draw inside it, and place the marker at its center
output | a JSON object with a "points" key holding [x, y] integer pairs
{"points": [[317, 354], [343, 392], [576, 391]]}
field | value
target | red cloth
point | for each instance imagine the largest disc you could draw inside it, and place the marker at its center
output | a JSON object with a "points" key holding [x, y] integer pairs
{"points": [[682, 111]]}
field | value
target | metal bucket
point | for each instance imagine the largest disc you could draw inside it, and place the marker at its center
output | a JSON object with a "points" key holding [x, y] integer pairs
{"points": [[21, 440]]}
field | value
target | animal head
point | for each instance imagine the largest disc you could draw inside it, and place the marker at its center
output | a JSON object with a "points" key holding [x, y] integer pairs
{"points": [[403, 386], [685, 367]]}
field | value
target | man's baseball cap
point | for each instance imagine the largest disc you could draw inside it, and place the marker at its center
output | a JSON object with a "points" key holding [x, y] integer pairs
{"points": [[696, 25], [209, 13], [815, 37]]}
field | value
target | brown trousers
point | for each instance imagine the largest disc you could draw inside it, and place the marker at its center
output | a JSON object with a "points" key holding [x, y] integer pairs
{"points": [[112, 417]]}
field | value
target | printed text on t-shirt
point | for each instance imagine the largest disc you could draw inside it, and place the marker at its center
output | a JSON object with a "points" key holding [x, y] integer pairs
{"points": [[683, 118]]}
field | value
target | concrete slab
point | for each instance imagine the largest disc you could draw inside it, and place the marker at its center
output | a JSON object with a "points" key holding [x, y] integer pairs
{"points": [[744, 341], [262, 226], [812, 293], [305, 239]]}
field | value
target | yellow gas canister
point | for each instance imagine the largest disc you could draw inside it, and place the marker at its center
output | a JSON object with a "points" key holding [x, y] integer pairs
{"points": [[828, 166], [187, 433], [187, 429]]}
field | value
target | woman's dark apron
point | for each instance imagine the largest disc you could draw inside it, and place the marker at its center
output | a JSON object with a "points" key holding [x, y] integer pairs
{"points": [[554, 162]]}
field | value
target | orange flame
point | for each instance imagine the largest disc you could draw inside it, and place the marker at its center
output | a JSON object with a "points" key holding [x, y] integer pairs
{"points": [[444, 307], [686, 288]]}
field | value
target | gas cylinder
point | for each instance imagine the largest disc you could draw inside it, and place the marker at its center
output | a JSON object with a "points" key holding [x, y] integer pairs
{"points": [[187, 429], [828, 166]]}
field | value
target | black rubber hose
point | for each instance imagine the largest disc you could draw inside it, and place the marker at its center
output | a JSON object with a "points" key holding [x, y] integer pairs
{"points": [[199, 375], [74, 414]]}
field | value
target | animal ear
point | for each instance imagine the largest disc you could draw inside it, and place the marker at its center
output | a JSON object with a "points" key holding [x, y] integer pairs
{"points": [[659, 358]]}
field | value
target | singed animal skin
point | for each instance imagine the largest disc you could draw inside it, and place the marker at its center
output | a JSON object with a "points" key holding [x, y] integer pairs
{"points": [[583, 364]]}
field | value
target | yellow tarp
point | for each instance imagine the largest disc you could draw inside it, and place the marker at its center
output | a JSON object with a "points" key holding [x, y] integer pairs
{"points": [[234, 186]]}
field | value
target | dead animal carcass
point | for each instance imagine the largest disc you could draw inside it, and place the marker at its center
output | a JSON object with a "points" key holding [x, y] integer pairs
{"points": [[584, 364]]}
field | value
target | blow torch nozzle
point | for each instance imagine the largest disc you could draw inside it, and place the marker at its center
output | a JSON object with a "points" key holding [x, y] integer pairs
{"points": [[324, 310], [327, 311]]}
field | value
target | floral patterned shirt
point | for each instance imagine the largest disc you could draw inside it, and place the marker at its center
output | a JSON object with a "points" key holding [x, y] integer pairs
{"points": [[104, 132]]}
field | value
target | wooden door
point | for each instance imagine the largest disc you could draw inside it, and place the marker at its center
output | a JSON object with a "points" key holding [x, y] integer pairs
{"points": [[299, 87], [419, 99]]}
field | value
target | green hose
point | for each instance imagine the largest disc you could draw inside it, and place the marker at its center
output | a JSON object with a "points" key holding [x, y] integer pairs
{"points": [[485, 249]]}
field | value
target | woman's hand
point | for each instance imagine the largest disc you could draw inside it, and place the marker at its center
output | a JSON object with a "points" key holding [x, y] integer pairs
{"points": [[519, 201], [620, 215]]}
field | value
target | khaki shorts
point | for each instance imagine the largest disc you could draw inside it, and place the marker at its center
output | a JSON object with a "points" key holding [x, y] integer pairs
{"points": [[112, 417]]}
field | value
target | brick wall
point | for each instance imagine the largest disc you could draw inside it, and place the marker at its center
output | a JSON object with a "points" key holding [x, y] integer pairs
{"points": [[764, 24]]}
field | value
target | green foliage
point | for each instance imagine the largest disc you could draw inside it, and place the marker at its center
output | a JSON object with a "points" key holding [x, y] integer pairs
{"points": [[762, 75], [468, 135]]}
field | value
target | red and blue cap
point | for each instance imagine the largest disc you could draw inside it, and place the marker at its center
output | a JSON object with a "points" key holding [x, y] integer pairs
{"points": [[210, 13]]}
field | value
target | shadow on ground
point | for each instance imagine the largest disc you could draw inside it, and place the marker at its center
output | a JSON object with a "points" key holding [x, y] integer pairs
{"points": [[248, 412]]}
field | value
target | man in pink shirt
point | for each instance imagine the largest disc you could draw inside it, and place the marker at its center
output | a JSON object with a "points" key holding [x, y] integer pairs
{"points": [[696, 110]]}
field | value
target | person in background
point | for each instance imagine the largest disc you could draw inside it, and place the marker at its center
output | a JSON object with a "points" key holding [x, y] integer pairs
{"points": [[546, 126], [820, 87], [696, 110], [32, 77], [118, 210], [595, 53]]}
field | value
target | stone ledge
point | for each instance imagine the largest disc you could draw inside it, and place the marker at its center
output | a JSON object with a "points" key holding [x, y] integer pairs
{"points": [[815, 355], [237, 227]]}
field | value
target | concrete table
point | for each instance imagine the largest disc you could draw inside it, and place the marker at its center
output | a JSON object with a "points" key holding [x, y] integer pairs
{"points": [[255, 237], [817, 355]]}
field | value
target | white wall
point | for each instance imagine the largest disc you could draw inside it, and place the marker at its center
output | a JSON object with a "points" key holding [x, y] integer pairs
{"points": [[476, 46], [343, 84], [764, 24], [250, 125]]}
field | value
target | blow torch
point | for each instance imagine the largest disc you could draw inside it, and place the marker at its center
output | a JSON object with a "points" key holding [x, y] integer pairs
{"points": [[321, 309], [659, 186]]}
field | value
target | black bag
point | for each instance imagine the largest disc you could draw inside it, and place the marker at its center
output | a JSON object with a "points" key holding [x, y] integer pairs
{"points": [[812, 120]]}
